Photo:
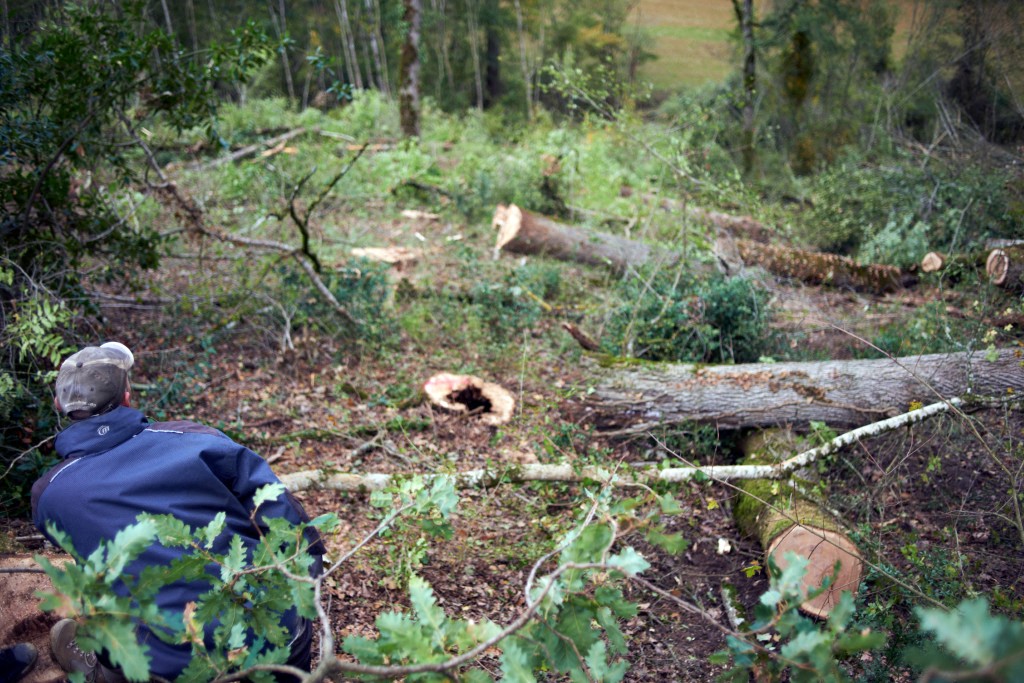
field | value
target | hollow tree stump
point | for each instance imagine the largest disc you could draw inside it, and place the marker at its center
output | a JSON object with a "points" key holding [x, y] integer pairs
{"points": [[1005, 268]]}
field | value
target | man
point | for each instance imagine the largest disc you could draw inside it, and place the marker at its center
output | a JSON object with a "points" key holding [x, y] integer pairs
{"points": [[116, 465]]}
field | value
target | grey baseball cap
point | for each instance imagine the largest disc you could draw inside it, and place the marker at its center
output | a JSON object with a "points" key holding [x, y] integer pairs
{"points": [[93, 380]]}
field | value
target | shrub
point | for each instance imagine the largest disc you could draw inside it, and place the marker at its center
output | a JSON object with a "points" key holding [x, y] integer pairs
{"points": [[717, 320]]}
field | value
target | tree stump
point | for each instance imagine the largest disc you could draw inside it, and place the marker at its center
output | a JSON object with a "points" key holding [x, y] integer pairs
{"points": [[469, 395]]}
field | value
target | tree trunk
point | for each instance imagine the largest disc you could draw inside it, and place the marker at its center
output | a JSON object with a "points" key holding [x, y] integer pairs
{"points": [[745, 19], [817, 268], [473, 21], [1005, 268], [348, 42], [409, 72], [527, 76], [783, 520], [277, 19], [634, 396], [379, 56], [522, 232]]}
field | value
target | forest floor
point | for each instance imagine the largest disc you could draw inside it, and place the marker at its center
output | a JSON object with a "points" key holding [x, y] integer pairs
{"points": [[927, 504]]}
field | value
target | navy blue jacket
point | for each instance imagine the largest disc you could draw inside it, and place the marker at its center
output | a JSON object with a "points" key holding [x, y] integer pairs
{"points": [[118, 465]]}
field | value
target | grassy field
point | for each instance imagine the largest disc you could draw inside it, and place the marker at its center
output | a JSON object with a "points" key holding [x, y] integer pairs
{"points": [[694, 39], [691, 39]]}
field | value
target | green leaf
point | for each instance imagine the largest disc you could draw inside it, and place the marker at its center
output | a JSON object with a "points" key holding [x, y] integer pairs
{"points": [[597, 661], [673, 544], [365, 650], [970, 631], [423, 603], [208, 534], [117, 637], [629, 561], [267, 493], [669, 505], [128, 544], [234, 561], [515, 665]]}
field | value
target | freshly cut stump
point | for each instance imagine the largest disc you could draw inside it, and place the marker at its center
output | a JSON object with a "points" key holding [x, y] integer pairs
{"points": [[472, 396]]}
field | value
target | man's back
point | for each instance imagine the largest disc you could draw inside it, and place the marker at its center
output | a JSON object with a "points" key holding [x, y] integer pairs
{"points": [[117, 465]]}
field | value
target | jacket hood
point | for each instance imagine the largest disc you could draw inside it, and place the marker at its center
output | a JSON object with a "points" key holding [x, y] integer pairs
{"points": [[100, 433]]}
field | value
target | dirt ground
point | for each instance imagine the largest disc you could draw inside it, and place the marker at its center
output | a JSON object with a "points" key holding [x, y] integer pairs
{"points": [[910, 496]]}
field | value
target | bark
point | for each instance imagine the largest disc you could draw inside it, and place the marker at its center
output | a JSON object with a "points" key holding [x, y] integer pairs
{"points": [[785, 521], [523, 232], [817, 268], [1005, 268], [409, 72], [745, 19], [527, 76], [473, 23], [279, 22], [635, 396]]}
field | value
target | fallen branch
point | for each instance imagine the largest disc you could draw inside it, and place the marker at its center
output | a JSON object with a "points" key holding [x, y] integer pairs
{"points": [[249, 150], [490, 477]]}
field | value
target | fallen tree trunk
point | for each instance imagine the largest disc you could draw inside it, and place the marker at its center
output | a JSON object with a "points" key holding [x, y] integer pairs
{"points": [[523, 232], [634, 396], [785, 521], [1005, 268], [818, 268], [933, 261]]}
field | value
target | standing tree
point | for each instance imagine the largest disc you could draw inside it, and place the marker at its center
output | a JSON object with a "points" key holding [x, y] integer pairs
{"points": [[409, 72]]}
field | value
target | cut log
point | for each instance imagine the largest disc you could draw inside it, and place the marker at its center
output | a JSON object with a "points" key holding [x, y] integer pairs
{"points": [[471, 395], [523, 232], [934, 262], [1005, 268], [785, 521], [818, 268], [634, 396]]}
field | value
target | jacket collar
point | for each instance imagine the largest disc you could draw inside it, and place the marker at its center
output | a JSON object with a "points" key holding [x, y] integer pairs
{"points": [[100, 433]]}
